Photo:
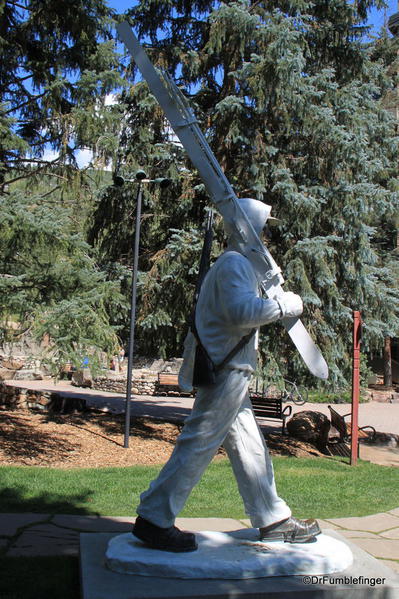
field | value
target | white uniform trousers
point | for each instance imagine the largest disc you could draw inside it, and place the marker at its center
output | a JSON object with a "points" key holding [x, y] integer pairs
{"points": [[221, 415]]}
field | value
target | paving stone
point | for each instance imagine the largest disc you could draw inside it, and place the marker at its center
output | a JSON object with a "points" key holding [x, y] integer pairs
{"points": [[374, 523], [391, 564], [391, 534], [327, 524], [45, 540], [246, 522], [380, 455], [215, 524], [358, 534], [95, 523], [394, 512], [383, 548], [10, 523]]}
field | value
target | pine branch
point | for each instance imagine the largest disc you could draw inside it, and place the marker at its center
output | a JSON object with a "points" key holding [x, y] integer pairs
{"points": [[34, 173], [18, 5], [35, 160], [50, 191], [31, 99]]}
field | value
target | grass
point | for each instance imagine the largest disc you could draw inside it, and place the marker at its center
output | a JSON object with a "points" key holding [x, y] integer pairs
{"points": [[321, 488], [332, 397]]}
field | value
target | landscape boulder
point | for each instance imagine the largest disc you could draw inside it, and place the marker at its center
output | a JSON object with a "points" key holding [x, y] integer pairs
{"points": [[6, 374], [82, 378], [309, 426], [27, 374]]}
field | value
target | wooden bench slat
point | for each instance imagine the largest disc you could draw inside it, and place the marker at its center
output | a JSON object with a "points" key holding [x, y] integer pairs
{"points": [[168, 378], [168, 384], [270, 408], [345, 431]]}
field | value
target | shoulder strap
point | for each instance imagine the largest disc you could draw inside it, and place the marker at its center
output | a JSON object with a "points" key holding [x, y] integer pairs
{"points": [[235, 349], [231, 353]]}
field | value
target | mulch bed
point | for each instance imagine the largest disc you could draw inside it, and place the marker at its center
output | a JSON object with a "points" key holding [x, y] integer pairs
{"points": [[95, 439]]}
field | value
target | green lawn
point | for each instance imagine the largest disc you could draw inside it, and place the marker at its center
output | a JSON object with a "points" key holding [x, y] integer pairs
{"points": [[321, 488]]}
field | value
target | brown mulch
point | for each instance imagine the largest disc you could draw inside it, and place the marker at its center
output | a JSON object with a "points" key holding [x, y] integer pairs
{"points": [[81, 440], [95, 439]]}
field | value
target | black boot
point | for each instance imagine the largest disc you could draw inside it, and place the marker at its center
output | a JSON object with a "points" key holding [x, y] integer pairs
{"points": [[165, 539]]}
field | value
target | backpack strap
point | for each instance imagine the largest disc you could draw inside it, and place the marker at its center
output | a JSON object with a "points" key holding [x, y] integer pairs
{"points": [[235, 350], [230, 355]]}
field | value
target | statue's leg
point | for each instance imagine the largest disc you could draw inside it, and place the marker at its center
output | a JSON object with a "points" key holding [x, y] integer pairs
{"points": [[253, 470], [214, 411]]}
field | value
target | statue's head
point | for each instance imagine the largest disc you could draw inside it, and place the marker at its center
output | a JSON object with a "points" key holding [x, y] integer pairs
{"points": [[257, 213]]}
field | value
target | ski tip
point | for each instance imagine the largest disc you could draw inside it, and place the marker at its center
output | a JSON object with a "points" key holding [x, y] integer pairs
{"points": [[320, 369]]}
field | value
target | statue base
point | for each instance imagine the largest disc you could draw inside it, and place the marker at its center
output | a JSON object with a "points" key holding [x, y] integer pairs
{"points": [[366, 578], [232, 555]]}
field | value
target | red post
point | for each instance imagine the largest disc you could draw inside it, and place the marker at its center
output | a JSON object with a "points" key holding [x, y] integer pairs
{"points": [[357, 333]]}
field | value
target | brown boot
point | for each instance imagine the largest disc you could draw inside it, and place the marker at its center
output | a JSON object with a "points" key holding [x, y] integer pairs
{"points": [[291, 530]]}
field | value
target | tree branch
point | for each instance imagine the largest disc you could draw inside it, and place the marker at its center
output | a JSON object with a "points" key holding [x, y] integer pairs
{"points": [[32, 99], [18, 5], [50, 192], [35, 160], [31, 174]]}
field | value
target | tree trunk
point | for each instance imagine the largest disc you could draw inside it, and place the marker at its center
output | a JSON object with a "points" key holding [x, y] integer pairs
{"points": [[387, 363]]}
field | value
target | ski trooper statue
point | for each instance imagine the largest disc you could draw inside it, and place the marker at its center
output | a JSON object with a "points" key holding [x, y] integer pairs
{"points": [[228, 307]]}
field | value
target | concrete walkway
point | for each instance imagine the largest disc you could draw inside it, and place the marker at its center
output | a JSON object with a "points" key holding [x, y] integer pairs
{"points": [[42, 534]]}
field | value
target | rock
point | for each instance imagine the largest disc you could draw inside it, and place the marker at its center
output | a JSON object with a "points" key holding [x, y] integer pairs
{"points": [[82, 378], [26, 374], [13, 363], [6, 374], [309, 426], [285, 445]]}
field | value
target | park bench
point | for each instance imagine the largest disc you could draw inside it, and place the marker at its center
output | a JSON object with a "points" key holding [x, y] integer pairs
{"points": [[168, 384], [270, 408], [342, 444]]}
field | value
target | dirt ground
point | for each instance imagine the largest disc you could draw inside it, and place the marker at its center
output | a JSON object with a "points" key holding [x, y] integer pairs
{"points": [[95, 439]]}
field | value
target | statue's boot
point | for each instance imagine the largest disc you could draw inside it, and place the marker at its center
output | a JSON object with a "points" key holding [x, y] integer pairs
{"points": [[291, 530], [165, 539]]}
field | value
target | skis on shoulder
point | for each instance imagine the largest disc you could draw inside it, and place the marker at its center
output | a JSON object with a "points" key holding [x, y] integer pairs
{"points": [[185, 126]]}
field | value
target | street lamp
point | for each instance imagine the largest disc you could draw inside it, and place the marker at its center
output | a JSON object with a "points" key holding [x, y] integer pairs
{"points": [[119, 181]]}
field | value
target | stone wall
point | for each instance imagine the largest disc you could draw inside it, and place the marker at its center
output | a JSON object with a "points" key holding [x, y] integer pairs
{"points": [[46, 401], [143, 383]]}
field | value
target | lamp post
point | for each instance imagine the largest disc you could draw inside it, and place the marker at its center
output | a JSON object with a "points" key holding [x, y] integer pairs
{"points": [[119, 181], [357, 337]]}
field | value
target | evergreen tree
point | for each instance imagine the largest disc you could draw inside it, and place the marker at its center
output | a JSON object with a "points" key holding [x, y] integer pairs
{"points": [[58, 65], [288, 93], [51, 284]]}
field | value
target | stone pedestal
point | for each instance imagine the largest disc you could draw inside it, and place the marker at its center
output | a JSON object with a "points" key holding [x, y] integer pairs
{"points": [[232, 555], [366, 578]]}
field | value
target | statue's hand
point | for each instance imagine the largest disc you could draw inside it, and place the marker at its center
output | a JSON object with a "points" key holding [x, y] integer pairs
{"points": [[290, 304]]}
